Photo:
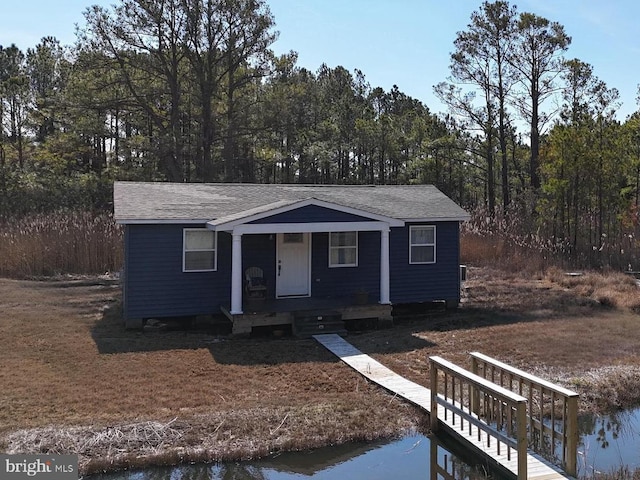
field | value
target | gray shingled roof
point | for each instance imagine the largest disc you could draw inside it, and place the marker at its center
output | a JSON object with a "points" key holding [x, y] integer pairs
{"points": [[173, 202]]}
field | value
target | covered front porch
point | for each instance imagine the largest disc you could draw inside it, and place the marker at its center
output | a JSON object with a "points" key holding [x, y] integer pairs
{"points": [[303, 277], [272, 312]]}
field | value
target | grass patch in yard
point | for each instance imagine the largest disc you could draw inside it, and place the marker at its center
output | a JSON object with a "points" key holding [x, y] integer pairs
{"points": [[227, 398], [75, 381]]}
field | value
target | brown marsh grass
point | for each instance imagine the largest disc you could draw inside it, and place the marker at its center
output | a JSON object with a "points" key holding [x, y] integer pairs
{"points": [[59, 243], [609, 288], [75, 381], [493, 250]]}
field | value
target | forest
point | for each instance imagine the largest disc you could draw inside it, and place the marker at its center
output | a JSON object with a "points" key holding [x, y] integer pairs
{"points": [[191, 91]]}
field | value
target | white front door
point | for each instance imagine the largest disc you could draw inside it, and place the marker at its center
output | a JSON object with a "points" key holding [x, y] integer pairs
{"points": [[293, 265]]}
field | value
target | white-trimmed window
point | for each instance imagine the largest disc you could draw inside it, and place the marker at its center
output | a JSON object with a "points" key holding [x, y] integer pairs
{"points": [[199, 250], [343, 249], [422, 244]]}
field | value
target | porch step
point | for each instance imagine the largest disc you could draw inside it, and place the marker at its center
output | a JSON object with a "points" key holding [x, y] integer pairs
{"points": [[314, 322]]}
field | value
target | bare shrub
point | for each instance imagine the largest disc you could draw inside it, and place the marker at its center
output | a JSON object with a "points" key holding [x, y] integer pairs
{"points": [[608, 288], [144, 437], [610, 388], [492, 250]]}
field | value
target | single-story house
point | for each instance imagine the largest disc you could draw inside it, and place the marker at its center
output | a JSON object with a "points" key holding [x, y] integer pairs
{"points": [[262, 254]]}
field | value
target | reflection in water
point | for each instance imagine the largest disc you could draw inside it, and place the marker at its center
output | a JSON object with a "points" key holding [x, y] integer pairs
{"points": [[608, 442], [410, 457], [447, 466]]}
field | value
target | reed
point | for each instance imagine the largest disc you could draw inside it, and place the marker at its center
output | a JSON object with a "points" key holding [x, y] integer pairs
{"points": [[63, 242], [517, 242], [621, 473]]}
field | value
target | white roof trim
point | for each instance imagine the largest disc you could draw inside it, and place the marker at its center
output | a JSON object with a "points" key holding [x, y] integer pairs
{"points": [[462, 218], [253, 228], [228, 225], [160, 221], [256, 211], [213, 226]]}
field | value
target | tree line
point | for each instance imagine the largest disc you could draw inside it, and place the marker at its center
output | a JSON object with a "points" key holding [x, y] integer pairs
{"points": [[191, 91], [570, 179]]}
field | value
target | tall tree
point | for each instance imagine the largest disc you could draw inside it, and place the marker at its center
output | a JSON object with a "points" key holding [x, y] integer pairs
{"points": [[338, 96], [537, 57], [48, 70], [227, 45], [609, 172], [248, 24], [480, 62], [290, 115], [582, 172], [15, 97], [144, 39], [494, 28]]}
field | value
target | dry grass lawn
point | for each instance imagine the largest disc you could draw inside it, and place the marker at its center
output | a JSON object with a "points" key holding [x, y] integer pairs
{"points": [[73, 380]]}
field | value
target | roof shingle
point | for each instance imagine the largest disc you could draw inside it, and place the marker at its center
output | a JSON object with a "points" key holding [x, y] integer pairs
{"points": [[190, 202]]}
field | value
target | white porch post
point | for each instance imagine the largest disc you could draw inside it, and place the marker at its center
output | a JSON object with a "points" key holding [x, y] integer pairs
{"points": [[236, 274], [384, 266]]}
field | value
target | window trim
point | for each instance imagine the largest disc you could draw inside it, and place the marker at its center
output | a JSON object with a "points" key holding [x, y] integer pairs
{"points": [[214, 250], [332, 247], [411, 245]]}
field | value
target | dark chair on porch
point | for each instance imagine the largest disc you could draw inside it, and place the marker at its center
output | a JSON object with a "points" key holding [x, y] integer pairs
{"points": [[255, 285]]}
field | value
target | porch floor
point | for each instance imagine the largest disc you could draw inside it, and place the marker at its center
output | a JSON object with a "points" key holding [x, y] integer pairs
{"points": [[281, 311]]}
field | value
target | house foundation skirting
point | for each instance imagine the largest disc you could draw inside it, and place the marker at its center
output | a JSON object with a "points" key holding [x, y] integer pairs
{"points": [[244, 322]]}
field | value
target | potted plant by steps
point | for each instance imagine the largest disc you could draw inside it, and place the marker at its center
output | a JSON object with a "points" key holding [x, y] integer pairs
{"points": [[361, 297]]}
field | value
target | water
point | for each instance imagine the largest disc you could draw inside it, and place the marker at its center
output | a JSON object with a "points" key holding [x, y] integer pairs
{"points": [[408, 457], [607, 442]]}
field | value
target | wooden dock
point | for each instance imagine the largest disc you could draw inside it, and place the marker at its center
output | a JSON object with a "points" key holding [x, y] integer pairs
{"points": [[537, 467]]}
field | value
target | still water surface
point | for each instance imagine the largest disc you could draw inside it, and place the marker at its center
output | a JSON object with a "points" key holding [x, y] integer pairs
{"points": [[609, 441], [606, 443], [408, 458]]}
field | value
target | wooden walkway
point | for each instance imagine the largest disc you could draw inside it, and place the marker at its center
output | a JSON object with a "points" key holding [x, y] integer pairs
{"points": [[537, 467]]}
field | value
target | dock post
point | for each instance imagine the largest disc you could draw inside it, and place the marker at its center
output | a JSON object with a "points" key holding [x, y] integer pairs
{"points": [[433, 385], [571, 453], [433, 456], [475, 394], [521, 436]]}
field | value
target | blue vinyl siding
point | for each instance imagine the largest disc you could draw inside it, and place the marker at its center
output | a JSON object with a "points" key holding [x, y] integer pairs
{"points": [[409, 283], [156, 286], [259, 251], [344, 282], [312, 213], [426, 282]]}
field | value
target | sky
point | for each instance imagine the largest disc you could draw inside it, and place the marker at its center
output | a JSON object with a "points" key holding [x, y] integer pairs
{"points": [[393, 42]]}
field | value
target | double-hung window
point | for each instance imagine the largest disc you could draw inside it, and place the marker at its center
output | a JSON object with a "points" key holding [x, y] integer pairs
{"points": [[343, 249], [422, 244], [199, 250]]}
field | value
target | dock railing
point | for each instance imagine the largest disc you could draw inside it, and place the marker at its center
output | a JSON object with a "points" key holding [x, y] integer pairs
{"points": [[552, 411], [454, 389]]}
